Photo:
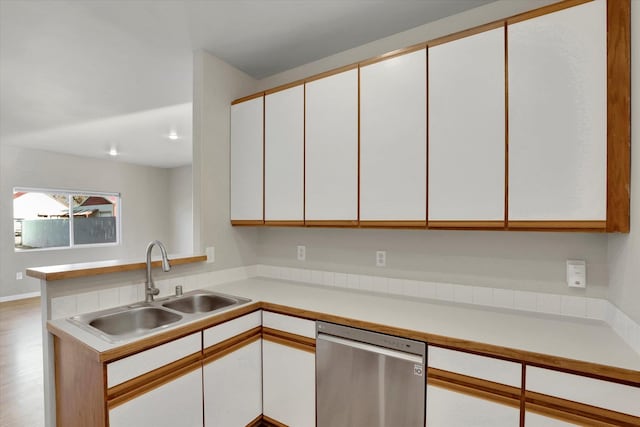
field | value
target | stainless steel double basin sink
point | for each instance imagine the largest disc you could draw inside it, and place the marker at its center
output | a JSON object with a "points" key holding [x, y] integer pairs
{"points": [[140, 319]]}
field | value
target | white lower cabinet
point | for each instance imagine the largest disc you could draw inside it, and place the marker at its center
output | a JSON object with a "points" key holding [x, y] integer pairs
{"points": [[233, 388], [531, 419], [446, 408], [289, 385], [175, 403]]}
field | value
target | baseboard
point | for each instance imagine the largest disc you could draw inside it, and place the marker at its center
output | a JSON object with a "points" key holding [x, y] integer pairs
{"points": [[20, 296]]}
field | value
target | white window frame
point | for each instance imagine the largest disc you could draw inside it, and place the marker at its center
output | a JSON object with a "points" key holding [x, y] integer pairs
{"points": [[69, 194]]}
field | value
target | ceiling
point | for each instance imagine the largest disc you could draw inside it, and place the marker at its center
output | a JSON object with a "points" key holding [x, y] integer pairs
{"points": [[84, 76]]}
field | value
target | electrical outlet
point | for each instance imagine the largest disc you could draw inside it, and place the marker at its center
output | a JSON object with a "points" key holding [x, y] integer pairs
{"points": [[211, 254], [381, 258], [302, 253], [576, 273], [19, 275]]}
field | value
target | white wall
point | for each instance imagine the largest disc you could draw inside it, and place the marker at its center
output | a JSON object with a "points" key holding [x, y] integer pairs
{"points": [[517, 260], [624, 249], [180, 205], [144, 213], [216, 84]]}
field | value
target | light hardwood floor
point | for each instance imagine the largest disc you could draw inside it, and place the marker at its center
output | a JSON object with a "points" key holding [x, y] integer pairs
{"points": [[21, 392]]}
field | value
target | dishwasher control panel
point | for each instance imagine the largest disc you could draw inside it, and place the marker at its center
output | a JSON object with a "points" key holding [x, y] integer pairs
{"points": [[374, 338]]}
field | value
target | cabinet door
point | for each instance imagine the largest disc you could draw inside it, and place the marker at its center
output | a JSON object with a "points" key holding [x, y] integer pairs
{"points": [[284, 155], [176, 403], [289, 385], [557, 116], [447, 408], [393, 152], [247, 160], [331, 156], [467, 129], [233, 388]]}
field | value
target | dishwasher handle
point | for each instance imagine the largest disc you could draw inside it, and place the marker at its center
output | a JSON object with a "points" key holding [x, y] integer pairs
{"points": [[373, 348]]}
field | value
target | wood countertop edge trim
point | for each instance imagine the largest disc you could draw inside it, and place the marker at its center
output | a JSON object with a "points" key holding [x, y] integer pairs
{"points": [[69, 272], [530, 358]]}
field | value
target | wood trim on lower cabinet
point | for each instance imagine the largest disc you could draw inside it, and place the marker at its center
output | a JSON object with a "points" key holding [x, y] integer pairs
{"points": [[579, 367], [474, 392], [461, 225], [598, 226], [549, 405], [564, 416], [153, 384], [246, 222], [155, 340], [220, 350], [618, 115], [80, 382], [393, 224], [479, 385], [270, 422], [162, 372], [290, 340]]}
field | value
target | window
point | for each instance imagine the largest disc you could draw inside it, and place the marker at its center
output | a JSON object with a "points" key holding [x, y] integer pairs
{"points": [[46, 218]]}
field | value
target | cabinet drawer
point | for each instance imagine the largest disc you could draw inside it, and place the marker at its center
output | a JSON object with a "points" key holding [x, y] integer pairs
{"points": [[133, 366], [604, 394], [486, 368], [230, 329], [293, 325]]}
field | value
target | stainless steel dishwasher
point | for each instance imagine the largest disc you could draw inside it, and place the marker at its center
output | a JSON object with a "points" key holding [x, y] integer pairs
{"points": [[367, 379]]}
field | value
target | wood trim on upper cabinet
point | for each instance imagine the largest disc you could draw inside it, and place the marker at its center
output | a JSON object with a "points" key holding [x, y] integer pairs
{"points": [[462, 225], [331, 223], [546, 405], [256, 422], [393, 224], [618, 115], [465, 33], [284, 223], [246, 222], [270, 422], [555, 7], [558, 225], [247, 98], [331, 73], [393, 53], [284, 87]]}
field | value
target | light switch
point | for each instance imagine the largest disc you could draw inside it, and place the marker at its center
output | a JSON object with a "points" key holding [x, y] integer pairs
{"points": [[576, 273]]}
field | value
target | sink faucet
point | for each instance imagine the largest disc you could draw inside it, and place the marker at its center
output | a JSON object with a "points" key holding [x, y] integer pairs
{"points": [[149, 288]]}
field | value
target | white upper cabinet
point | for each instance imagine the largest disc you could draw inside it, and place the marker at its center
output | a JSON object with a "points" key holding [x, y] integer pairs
{"points": [[284, 155], [558, 115], [393, 149], [246, 160], [331, 160], [467, 128]]}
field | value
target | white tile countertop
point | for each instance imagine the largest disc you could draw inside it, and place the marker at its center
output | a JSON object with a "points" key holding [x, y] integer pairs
{"points": [[585, 340]]}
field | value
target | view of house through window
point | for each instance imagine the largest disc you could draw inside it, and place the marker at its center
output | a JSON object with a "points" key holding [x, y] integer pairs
{"points": [[60, 218]]}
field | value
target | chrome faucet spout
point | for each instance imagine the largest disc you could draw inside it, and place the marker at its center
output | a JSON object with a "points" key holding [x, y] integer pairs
{"points": [[150, 289]]}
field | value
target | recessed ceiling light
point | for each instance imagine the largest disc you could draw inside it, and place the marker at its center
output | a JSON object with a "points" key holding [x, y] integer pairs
{"points": [[113, 152], [173, 136]]}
